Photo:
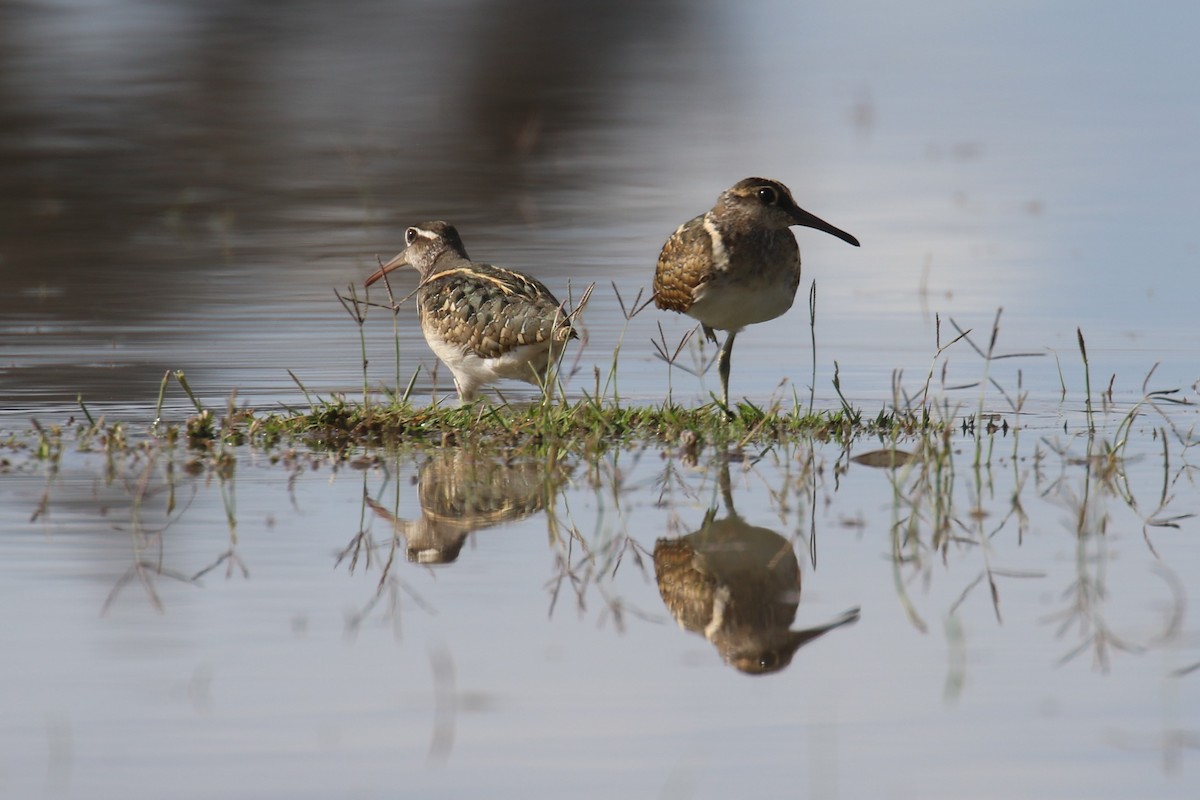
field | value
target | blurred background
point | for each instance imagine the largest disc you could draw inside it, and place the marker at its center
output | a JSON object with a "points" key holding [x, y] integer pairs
{"points": [[186, 184]]}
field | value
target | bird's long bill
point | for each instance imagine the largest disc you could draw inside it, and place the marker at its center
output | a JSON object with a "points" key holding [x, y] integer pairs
{"points": [[398, 261], [808, 220]]}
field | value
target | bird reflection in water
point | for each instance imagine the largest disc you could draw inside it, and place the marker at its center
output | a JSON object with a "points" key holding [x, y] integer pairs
{"points": [[462, 491], [738, 586]]}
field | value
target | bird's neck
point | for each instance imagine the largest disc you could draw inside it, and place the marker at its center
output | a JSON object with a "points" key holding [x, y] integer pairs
{"points": [[447, 259]]}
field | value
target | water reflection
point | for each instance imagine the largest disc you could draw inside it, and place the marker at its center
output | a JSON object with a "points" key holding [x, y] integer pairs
{"points": [[942, 518], [738, 586], [462, 491], [1095, 501], [1095, 531]]}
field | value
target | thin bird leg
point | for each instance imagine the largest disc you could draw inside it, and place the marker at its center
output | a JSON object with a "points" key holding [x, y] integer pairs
{"points": [[723, 366]]}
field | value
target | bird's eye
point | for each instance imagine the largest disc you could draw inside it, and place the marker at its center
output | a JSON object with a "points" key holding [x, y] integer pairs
{"points": [[768, 660], [768, 196], [410, 235]]}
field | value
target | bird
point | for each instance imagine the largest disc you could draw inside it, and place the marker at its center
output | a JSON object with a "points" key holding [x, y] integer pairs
{"points": [[736, 264], [484, 322]]}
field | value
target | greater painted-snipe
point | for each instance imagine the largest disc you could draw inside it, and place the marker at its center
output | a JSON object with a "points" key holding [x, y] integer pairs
{"points": [[736, 264], [484, 322]]}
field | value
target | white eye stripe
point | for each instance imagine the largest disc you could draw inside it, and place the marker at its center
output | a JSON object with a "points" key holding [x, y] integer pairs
{"points": [[413, 233]]}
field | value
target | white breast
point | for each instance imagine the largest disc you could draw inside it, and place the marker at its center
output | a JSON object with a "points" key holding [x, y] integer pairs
{"points": [[523, 363], [731, 307]]}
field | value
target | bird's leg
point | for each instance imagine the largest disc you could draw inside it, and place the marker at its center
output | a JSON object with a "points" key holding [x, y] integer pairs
{"points": [[723, 367], [466, 390]]}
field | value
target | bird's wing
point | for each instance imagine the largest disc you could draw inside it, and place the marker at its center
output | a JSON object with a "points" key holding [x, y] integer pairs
{"points": [[491, 309], [685, 263]]}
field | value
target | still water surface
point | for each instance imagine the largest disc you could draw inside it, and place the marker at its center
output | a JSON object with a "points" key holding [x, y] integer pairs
{"points": [[291, 626], [185, 186]]}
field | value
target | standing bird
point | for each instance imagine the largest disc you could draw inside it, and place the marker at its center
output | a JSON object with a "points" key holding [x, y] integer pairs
{"points": [[484, 322], [736, 264]]}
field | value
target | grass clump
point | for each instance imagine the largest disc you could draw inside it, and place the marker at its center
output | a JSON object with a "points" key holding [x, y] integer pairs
{"points": [[582, 426]]}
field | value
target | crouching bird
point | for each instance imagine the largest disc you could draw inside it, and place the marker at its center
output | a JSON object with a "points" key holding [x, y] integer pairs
{"points": [[482, 321]]}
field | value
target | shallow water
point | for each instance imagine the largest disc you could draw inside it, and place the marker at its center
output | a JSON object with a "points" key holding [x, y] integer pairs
{"points": [[186, 186], [455, 623]]}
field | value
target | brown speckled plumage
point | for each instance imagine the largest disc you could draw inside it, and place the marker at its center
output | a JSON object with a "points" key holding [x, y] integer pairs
{"points": [[736, 264], [487, 309], [740, 241], [484, 322]]}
